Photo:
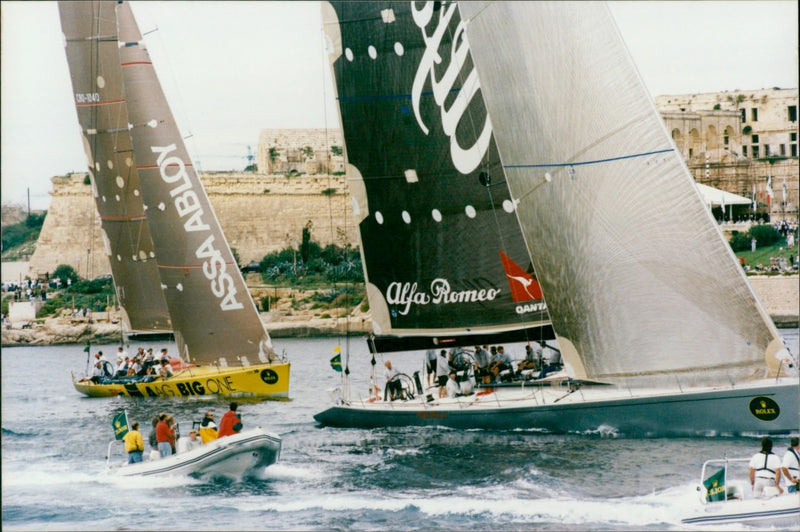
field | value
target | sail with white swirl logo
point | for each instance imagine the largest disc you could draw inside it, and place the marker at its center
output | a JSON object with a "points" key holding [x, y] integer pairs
{"points": [[223, 346], [467, 124]]}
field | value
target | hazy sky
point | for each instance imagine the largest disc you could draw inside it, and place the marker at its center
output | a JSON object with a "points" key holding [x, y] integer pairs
{"points": [[231, 69]]}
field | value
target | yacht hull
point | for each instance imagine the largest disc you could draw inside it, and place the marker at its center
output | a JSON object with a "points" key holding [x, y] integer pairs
{"points": [[638, 413], [246, 454], [261, 380]]}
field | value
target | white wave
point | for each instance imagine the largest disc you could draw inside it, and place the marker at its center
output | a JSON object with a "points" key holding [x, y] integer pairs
{"points": [[283, 471], [657, 508]]}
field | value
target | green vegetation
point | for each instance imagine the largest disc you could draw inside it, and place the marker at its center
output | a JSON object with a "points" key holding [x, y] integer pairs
{"points": [[87, 180], [336, 150], [19, 234], [311, 265], [769, 243]]}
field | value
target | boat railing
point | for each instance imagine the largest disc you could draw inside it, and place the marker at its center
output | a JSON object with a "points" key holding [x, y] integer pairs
{"points": [[733, 489], [109, 452]]}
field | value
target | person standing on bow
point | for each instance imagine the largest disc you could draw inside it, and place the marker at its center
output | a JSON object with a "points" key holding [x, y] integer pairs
{"points": [[790, 466], [765, 469], [231, 422], [134, 444]]}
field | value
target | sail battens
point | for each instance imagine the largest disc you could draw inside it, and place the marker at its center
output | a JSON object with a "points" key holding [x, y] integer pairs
{"points": [[635, 292], [90, 30], [584, 163], [99, 104], [187, 266], [133, 218], [212, 311], [418, 141], [389, 96]]}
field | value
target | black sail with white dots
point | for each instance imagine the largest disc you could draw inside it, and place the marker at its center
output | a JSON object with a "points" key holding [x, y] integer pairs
{"points": [[90, 33], [211, 308], [443, 253]]}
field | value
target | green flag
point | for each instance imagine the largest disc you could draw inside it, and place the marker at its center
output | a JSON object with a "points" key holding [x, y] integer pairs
{"points": [[336, 361], [120, 424], [715, 486], [87, 348]]}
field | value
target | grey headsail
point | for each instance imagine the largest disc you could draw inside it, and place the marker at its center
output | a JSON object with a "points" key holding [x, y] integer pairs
{"points": [[212, 312], [639, 282], [90, 32], [443, 253]]}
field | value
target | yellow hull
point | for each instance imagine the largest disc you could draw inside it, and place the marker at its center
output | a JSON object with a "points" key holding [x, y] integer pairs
{"points": [[262, 380]]}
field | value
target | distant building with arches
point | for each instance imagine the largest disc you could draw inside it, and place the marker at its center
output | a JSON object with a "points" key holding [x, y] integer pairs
{"points": [[738, 141]]}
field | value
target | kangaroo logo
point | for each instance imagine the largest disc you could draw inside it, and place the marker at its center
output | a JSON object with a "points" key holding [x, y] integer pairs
{"points": [[523, 286]]}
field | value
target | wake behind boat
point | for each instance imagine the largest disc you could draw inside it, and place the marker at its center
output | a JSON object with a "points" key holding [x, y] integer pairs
{"points": [[494, 206], [165, 244], [725, 500]]}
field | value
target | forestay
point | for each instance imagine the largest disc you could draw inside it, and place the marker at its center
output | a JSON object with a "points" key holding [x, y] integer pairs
{"points": [[444, 257], [211, 309], [90, 31], [638, 279]]}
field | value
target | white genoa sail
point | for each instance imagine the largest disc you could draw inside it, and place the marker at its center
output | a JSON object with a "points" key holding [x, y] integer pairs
{"points": [[211, 309], [444, 258], [541, 102], [638, 279], [90, 33]]}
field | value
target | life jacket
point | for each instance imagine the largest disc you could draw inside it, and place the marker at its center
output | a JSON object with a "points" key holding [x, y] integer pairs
{"points": [[765, 468], [208, 431]]}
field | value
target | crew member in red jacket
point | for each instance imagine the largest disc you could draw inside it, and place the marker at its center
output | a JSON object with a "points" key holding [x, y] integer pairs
{"points": [[231, 422]]}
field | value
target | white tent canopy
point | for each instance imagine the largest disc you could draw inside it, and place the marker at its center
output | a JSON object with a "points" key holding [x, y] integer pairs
{"points": [[715, 196]]}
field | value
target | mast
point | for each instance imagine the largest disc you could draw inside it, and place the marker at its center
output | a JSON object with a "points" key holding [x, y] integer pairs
{"points": [[90, 29], [211, 308]]}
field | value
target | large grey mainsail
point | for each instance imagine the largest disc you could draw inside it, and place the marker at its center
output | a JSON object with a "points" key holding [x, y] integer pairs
{"points": [[211, 309], [637, 277], [90, 32], [442, 248]]}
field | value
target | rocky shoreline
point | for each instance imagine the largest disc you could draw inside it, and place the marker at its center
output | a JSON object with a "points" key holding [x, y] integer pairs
{"points": [[779, 294]]}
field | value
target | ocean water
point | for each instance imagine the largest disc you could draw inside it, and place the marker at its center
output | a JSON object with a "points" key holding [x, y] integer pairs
{"points": [[54, 443]]}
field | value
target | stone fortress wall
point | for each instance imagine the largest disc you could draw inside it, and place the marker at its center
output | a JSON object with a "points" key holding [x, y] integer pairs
{"points": [[258, 213]]}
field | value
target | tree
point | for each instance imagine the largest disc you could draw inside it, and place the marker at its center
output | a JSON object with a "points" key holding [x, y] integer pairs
{"points": [[64, 272], [336, 150]]}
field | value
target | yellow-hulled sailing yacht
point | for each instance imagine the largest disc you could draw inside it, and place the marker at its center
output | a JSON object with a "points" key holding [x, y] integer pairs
{"points": [[164, 242]]}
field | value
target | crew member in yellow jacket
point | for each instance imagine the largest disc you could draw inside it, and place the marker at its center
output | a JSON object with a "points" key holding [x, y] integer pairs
{"points": [[208, 429], [134, 444]]}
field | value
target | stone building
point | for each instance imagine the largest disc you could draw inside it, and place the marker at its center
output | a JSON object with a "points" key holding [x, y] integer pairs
{"points": [[300, 151], [740, 141]]}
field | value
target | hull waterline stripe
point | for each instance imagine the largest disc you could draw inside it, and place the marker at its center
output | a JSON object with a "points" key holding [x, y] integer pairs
{"points": [[137, 63], [741, 516], [583, 163]]}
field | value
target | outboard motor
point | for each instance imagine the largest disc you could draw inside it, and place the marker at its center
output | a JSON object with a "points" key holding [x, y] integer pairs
{"points": [[418, 383]]}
